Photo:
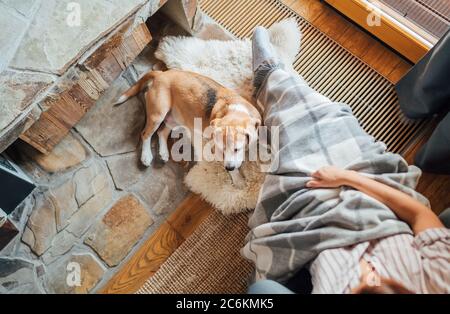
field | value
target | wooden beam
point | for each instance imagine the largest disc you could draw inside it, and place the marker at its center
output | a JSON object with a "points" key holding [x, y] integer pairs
{"points": [[92, 77]]}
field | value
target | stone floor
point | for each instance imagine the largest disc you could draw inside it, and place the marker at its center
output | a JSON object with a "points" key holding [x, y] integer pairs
{"points": [[94, 203]]}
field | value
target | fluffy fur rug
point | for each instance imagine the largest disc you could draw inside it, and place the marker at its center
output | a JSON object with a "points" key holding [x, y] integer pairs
{"points": [[229, 63]]}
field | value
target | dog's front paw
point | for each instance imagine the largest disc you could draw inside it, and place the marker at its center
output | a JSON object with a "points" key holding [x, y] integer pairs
{"points": [[146, 159], [164, 156]]}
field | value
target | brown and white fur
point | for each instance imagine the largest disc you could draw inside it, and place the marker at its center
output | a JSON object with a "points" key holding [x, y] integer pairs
{"points": [[174, 98]]}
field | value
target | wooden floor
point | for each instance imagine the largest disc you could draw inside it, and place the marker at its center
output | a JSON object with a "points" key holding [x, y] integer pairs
{"points": [[193, 210]]}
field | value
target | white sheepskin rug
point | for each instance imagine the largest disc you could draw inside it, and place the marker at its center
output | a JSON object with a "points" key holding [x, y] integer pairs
{"points": [[214, 184], [230, 64]]}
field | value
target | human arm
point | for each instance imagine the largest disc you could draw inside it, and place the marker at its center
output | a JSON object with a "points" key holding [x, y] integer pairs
{"points": [[414, 213]]}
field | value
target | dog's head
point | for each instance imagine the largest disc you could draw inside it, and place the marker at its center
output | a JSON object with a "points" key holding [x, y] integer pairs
{"points": [[232, 136]]}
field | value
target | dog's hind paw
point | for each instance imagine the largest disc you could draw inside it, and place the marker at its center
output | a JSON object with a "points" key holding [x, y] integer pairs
{"points": [[146, 159]]}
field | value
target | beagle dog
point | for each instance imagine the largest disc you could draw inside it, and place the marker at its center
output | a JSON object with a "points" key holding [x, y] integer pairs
{"points": [[174, 98]]}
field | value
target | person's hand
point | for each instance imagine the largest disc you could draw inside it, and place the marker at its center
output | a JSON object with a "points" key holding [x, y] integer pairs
{"points": [[328, 177]]}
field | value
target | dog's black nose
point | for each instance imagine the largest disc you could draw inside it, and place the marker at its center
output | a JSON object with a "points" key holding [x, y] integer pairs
{"points": [[229, 168]]}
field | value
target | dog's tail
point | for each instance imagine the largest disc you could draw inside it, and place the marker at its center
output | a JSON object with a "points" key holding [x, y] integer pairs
{"points": [[136, 88]]}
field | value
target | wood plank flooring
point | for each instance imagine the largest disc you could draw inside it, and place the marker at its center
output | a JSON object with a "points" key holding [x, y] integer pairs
{"points": [[193, 210]]}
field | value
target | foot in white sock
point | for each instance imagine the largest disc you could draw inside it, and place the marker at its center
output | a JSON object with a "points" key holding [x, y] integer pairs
{"points": [[265, 58], [263, 52]]}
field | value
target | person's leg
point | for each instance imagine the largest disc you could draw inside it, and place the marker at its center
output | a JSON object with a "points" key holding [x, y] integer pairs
{"points": [[268, 287]]}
